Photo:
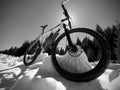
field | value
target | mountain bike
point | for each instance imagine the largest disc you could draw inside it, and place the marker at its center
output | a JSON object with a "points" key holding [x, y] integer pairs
{"points": [[94, 46]]}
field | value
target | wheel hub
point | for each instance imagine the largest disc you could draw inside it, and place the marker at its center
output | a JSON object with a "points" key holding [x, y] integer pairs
{"points": [[75, 52]]}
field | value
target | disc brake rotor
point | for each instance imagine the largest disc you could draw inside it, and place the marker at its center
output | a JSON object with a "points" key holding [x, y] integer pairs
{"points": [[77, 53]]}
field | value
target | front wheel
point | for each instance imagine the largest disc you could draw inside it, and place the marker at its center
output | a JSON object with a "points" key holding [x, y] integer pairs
{"points": [[86, 63]]}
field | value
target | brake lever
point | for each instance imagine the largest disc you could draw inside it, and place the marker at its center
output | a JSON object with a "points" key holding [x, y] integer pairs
{"points": [[65, 1]]}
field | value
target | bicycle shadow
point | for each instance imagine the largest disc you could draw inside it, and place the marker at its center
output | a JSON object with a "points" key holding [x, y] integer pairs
{"points": [[10, 76]]}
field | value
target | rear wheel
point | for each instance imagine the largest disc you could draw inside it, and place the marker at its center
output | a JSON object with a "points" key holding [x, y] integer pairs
{"points": [[31, 53], [86, 63]]}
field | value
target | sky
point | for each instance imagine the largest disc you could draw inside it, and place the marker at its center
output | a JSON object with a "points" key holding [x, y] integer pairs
{"points": [[20, 20]]}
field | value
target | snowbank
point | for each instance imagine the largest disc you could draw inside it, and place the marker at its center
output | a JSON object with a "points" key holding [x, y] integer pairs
{"points": [[113, 66], [7, 61], [51, 80], [27, 83]]}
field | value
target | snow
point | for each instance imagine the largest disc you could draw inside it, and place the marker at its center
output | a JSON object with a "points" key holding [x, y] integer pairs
{"points": [[42, 76], [114, 78]]}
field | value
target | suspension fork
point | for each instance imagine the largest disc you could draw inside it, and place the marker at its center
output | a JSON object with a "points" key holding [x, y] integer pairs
{"points": [[72, 46]]}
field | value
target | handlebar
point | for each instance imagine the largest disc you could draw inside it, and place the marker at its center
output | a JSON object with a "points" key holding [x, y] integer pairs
{"points": [[66, 14]]}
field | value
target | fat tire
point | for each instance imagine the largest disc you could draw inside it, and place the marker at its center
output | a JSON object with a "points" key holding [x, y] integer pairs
{"points": [[92, 74], [34, 57]]}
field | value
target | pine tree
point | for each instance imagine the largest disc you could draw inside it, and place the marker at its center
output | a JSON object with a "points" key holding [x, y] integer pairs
{"points": [[21, 50], [99, 30], [50, 40], [110, 36], [91, 48], [78, 42], [117, 42]]}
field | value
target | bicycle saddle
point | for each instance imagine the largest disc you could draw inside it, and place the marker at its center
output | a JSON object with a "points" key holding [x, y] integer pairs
{"points": [[44, 26]]}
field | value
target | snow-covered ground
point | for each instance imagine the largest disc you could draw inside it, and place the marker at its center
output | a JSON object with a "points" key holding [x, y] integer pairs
{"points": [[14, 75]]}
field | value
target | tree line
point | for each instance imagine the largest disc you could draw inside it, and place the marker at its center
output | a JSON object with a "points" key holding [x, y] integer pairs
{"points": [[112, 35], [91, 47]]}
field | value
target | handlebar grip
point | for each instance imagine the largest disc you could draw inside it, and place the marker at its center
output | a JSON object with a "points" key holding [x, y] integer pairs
{"points": [[65, 11], [65, 1]]}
